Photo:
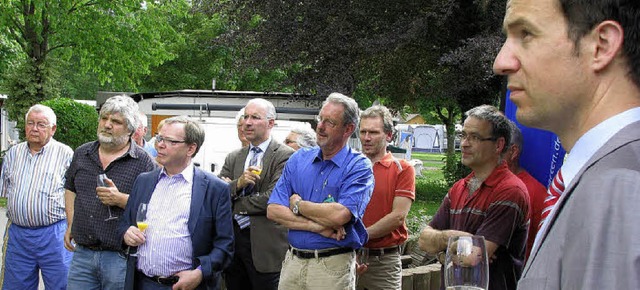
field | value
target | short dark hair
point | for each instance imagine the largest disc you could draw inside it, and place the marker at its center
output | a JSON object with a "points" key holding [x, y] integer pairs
{"points": [[499, 123], [583, 15]]}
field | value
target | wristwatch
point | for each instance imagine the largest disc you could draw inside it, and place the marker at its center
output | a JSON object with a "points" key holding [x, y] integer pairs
{"points": [[296, 207]]}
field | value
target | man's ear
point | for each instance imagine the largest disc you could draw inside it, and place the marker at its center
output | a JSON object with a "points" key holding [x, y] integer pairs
{"points": [[607, 38], [500, 143]]}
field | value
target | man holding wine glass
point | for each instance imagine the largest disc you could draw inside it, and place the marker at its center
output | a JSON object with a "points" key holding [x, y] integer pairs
{"points": [[93, 209], [490, 202], [260, 244], [188, 239]]}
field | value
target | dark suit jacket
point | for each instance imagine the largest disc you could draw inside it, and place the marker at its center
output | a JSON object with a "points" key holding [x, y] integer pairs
{"points": [[268, 239], [591, 241], [209, 223]]}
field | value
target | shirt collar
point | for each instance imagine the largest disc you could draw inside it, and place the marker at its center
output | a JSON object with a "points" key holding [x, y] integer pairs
{"points": [[45, 147], [495, 177], [589, 143], [263, 146], [339, 158], [386, 160], [186, 173]]}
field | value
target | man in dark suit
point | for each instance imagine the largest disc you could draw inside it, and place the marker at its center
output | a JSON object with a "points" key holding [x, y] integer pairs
{"points": [[189, 238], [260, 244]]}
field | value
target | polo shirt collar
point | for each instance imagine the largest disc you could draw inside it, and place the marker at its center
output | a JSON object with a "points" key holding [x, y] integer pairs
{"points": [[386, 160], [496, 175]]}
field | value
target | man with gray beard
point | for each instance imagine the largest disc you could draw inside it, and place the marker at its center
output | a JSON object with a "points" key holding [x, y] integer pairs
{"points": [[93, 212]]}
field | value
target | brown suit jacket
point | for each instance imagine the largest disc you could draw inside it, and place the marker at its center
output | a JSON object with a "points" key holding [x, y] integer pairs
{"points": [[268, 239]]}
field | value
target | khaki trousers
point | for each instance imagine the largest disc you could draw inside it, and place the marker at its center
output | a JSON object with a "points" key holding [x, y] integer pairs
{"points": [[335, 272]]}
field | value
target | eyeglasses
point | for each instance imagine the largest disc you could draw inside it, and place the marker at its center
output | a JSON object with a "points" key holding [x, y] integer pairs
{"points": [[252, 117], [289, 141], [160, 139], [40, 125], [474, 138], [327, 122]]}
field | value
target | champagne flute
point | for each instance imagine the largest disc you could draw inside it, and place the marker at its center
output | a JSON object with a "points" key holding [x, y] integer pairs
{"points": [[363, 256], [258, 167], [141, 217], [102, 183], [466, 264]]}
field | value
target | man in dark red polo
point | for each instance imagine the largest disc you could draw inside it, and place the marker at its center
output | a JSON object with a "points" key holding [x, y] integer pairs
{"points": [[490, 202]]}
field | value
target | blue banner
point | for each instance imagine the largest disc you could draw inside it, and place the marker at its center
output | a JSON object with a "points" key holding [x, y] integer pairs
{"points": [[542, 154]]}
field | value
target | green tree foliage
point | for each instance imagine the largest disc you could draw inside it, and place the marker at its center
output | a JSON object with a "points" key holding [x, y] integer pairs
{"points": [[28, 84], [432, 55], [115, 41], [200, 59], [77, 123]]}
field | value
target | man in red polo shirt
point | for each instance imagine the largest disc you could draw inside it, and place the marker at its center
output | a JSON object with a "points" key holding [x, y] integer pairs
{"points": [[392, 197], [537, 191], [490, 202]]}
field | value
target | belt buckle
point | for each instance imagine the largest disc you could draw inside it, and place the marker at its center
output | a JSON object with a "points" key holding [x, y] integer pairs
{"points": [[166, 280]]}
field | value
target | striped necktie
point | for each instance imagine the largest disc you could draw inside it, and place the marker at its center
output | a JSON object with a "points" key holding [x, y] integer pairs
{"points": [[243, 220], [553, 194]]}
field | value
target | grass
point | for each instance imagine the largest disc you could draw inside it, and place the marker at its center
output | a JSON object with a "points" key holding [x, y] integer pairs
{"points": [[430, 189], [3, 202], [420, 214]]}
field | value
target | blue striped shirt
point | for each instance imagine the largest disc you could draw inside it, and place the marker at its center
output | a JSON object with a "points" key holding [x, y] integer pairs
{"points": [[34, 184], [168, 249]]}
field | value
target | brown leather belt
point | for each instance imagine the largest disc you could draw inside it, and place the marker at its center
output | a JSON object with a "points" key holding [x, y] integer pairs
{"points": [[308, 254]]}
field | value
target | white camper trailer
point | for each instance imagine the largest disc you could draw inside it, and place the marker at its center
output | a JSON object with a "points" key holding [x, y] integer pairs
{"points": [[216, 110]]}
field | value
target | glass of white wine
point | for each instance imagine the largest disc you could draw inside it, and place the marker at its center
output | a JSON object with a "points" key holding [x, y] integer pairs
{"points": [[141, 217], [466, 264], [258, 167]]}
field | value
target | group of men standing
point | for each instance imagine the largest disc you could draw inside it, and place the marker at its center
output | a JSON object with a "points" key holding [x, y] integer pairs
{"points": [[572, 68], [276, 216]]}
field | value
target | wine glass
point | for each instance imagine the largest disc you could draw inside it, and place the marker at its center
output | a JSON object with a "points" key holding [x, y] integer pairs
{"points": [[466, 264], [141, 217], [102, 183], [363, 256], [258, 166]]}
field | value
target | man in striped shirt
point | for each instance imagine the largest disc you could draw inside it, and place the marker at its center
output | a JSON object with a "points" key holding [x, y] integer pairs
{"points": [[32, 179], [187, 238]]}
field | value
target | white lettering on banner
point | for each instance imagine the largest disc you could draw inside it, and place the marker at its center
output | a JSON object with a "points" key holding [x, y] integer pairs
{"points": [[554, 160]]}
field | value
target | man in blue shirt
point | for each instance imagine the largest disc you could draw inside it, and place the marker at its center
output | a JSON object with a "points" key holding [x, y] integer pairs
{"points": [[321, 197]]}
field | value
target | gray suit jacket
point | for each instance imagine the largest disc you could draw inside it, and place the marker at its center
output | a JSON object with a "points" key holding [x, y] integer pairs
{"points": [[593, 239], [268, 239]]}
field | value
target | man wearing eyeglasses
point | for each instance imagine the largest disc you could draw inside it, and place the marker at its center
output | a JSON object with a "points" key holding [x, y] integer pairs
{"points": [[321, 197], [260, 244], [32, 179], [189, 238], [490, 202], [92, 233]]}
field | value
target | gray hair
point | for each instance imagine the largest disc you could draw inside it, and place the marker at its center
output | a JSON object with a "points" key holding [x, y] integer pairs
{"points": [[125, 106], [266, 105], [193, 132], [351, 110], [142, 119], [383, 113], [46, 111], [306, 136], [239, 115], [499, 123], [516, 134]]}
